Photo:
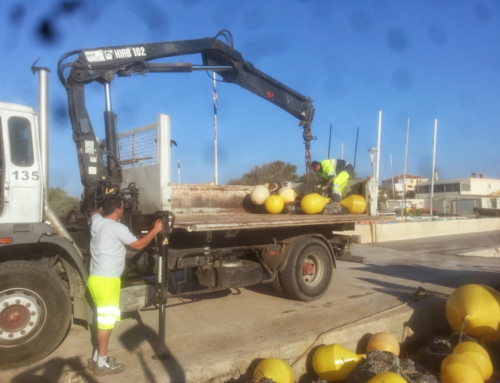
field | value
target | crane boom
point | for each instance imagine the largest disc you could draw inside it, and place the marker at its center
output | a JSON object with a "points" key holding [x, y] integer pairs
{"points": [[104, 64]]}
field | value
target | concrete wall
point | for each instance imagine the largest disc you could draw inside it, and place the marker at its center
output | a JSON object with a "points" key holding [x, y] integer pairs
{"points": [[368, 233]]}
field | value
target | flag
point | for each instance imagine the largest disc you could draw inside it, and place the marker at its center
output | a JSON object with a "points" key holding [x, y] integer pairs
{"points": [[215, 97]]}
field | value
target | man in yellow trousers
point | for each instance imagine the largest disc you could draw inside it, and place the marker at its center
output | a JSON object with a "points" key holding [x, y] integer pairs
{"points": [[336, 173]]}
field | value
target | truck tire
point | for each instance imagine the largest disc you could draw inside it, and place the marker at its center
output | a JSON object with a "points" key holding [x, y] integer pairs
{"points": [[35, 313], [308, 272]]}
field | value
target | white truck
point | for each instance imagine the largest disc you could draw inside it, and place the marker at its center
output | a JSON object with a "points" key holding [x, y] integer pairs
{"points": [[209, 230]]}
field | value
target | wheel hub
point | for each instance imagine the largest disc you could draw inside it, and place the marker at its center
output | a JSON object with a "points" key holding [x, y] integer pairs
{"points": [[312, 269], [20, 314], [307, 268]]}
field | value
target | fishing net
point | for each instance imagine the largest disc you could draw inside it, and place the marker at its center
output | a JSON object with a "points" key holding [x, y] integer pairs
{"points": [[382, 361]]}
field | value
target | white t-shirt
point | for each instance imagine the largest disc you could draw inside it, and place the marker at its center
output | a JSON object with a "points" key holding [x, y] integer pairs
{"points": [[107, 246]]}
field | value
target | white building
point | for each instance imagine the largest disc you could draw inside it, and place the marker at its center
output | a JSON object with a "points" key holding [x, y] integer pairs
{"points": [[459, 196], [401, 183]]}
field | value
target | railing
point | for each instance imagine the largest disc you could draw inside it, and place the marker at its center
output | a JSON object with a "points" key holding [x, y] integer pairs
{"points": [[138, 147]]}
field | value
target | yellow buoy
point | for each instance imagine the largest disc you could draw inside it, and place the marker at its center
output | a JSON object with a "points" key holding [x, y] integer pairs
{"points": [[313, 203], [480, 356], [334, 362], [259, 194], [458, 368], [274, 204], [355, 204], [275, 369], [383, 341], [480, 307], [288, 194], [387, 377]]}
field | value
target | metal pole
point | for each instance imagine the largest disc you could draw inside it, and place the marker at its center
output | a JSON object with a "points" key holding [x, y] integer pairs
{"points": [[433, 168], [342, 151], [392, 177], [215, 129], [378, 155], [329, 141], [355, 150], [179, 170], [43, 121], [162, 284], [406, 161]]}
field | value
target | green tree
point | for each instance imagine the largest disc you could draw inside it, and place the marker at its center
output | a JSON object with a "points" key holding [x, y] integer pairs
{"points": [[313, 177], [410, 194], [60, 202], [273, 171]]}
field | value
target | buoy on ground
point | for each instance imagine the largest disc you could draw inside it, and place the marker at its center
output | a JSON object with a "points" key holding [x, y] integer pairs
{"points": [[383, 341], [387, 377], [274, 204], [334, 362], [479, 307], [275, 369], [458, 368], [313, 203], [259, 194], [355, 204], [480, 356]]}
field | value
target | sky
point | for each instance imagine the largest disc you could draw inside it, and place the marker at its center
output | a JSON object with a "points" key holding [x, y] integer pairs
{"points": [[422, 60]]}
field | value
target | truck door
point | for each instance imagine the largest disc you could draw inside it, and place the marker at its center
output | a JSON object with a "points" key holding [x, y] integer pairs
{"points": [[21, 186]]}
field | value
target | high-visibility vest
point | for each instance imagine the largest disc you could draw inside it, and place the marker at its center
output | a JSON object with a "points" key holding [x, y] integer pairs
{"points": [[328, 169]]}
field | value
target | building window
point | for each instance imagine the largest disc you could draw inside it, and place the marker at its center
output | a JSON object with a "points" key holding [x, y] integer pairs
{"points": [[438, 188], [452, 187], [423, 189], [465, 186]]}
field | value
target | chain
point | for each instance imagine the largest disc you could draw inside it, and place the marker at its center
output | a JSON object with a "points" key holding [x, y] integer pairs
{"points": [[394, 362], [462, 329], [308, 167]]}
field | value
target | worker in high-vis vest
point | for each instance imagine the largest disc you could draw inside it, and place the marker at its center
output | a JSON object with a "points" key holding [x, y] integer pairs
{"points": [[336, 173]]}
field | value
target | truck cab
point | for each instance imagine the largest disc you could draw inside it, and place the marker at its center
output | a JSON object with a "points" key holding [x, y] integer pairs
{"points": [[21, 189], [42, 272]]}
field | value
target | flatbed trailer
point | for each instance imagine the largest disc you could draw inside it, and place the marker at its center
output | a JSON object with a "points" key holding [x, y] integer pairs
{"points": [[210, 222], [222, 237]]}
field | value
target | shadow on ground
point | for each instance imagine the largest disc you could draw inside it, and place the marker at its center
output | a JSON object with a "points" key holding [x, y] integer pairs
{"points": [[56, 370], [135, 336]]}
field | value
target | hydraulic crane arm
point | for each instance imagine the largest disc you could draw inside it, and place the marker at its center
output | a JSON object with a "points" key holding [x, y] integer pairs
{"points": [[104, 64]]}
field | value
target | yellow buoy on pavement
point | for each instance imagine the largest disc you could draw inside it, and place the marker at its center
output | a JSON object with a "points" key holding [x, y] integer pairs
{"points": [[387, 377], [480, 356], [274, 204], [334, 362], [479, 307], [355, 204], [458, 368], [275, 369], [383, 341], [313, 203]]}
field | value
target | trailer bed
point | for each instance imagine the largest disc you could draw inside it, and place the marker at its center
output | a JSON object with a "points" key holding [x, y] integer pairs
{"points": [[210, 222]]}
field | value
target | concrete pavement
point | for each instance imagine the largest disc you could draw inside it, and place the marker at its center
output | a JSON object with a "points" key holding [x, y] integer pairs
{"points": [[219, 337]]}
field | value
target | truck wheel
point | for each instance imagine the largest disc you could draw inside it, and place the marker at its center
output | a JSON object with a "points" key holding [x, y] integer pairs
{"points": [[308, 272], [35, 313]]}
